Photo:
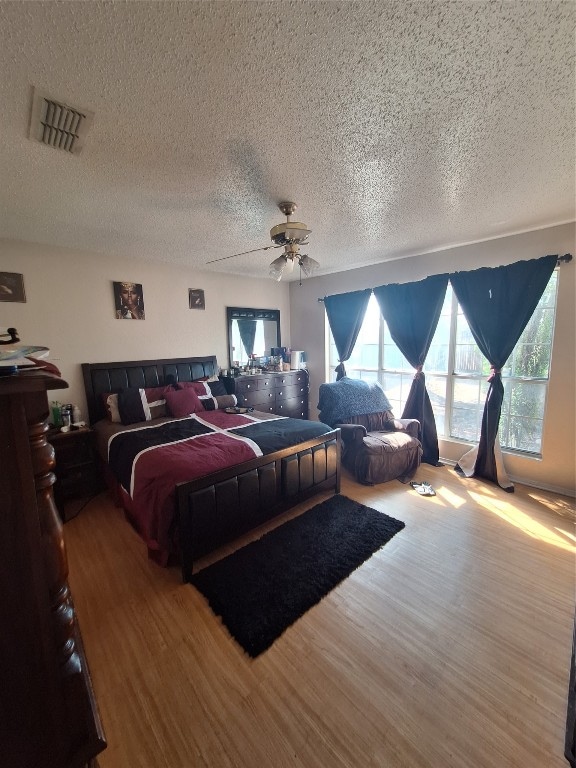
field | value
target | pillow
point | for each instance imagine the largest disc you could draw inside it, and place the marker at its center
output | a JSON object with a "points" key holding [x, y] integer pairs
{"points": [[217, 388], [182, 402], [219, 402], [205, 387], [156, 397], [133, 406], [200, 387], [110, 401], [342, 399]]}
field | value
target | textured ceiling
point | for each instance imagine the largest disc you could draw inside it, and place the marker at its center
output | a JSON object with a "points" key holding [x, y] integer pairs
{"points": [[397, 127]]}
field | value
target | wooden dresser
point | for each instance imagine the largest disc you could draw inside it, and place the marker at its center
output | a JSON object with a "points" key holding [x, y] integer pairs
{"points": [[49, 714], [283, 393]]}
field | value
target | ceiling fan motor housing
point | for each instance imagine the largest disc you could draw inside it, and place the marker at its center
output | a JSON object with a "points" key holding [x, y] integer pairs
{"points": [[289, 232]]}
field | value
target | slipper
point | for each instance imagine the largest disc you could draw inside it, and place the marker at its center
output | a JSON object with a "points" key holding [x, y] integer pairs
{"points": [[424, 489]]}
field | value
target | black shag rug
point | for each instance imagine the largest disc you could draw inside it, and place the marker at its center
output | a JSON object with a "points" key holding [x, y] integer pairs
{"points": [[261, 589]]}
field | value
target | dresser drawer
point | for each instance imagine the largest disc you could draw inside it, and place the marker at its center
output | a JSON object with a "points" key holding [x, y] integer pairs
{"points": [[265, 407], [243, 386], [256, 397], [295, 408], [287, 379], [287, 393], [290, 379]]}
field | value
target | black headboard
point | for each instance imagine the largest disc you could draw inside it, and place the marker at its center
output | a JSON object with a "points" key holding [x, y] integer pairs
{"points": [[113, 377]]}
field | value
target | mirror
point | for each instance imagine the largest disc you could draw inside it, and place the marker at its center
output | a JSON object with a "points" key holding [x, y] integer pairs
{"points": [[251, 332]]}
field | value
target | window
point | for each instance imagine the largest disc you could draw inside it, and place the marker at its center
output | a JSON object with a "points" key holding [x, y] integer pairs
{"points": [[458, 397]]}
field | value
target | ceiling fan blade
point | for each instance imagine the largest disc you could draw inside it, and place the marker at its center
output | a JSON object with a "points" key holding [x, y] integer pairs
{"points": [[254, 250]]}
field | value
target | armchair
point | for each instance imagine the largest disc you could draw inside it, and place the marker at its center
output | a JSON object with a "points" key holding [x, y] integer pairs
{"points": [[376, 446]]}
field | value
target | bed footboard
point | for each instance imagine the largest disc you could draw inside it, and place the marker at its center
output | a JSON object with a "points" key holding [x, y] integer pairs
{"points": [[221, 507]]}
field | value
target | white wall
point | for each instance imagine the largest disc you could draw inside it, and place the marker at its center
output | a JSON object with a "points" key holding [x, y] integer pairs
{"points": [[70, 309], [557, 468]]}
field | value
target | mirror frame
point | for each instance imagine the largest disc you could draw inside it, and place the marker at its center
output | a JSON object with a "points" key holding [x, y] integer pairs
{"points": [[250, 313]]}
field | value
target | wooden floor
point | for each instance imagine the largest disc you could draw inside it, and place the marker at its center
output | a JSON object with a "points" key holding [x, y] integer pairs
{"points": [[449, 647]]}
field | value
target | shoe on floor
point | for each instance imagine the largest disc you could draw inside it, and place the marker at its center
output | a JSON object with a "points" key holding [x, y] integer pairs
{"points": [[424, 489]]}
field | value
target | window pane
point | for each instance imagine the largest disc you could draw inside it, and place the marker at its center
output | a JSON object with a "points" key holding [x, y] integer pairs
{"points": [[549, 296], [527, 399], [365, 352], [394, 359], [465, 424], [531, 356], [370, 376], [523, 415], [436, 386], [468, 404], [525, 434], [463, 332], [468, 359], [397, 387]]}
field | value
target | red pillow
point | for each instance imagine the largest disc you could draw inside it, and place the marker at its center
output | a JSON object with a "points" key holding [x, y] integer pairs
{"points": [[196, 386], [183, 402], [156, 393]]}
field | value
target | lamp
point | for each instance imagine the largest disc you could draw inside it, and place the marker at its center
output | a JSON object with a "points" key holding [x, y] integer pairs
{"points": [[308, 265], [284, 264]]}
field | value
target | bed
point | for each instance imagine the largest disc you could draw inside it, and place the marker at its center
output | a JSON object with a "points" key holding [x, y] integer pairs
{"points": [[199, 508]]}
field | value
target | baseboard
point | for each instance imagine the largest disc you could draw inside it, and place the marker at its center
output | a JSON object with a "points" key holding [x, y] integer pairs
{"points": [[571, 493]]}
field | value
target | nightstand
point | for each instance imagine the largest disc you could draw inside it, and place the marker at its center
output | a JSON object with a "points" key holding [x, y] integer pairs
{"points": [[76, 467]]}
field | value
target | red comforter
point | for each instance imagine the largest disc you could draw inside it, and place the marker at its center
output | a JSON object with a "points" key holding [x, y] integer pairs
{"points": [[148, 462]]}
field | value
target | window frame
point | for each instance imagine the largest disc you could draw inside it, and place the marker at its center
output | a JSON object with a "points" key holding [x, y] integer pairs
{"points": [[451, 377]]}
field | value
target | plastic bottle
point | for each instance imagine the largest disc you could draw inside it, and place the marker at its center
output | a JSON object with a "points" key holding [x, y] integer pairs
{"points": [[56, 406], [76, 414]]}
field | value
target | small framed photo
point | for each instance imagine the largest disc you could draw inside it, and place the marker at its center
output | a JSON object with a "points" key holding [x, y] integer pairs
{"points": [[196, 298], [129, 300], [12, 287]]}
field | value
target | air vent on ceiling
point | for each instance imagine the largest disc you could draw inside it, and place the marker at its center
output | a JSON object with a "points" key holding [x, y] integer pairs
{"points": [[58, 125]]}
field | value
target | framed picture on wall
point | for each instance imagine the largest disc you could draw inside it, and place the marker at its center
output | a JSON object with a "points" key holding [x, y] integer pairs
{"points": [[129, 301], [12, 287], [196, 298]]}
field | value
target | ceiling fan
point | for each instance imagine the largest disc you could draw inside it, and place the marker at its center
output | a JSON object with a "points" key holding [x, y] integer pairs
{"points": [[290, 235]]}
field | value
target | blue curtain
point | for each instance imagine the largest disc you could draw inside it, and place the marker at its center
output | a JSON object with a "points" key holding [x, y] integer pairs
{"points": [[247, 330], [345, 315], [411, 311], [498, 303]]}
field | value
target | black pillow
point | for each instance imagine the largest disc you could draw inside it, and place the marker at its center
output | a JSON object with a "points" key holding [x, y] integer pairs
{"points": [[133, 406], [217, 388]]}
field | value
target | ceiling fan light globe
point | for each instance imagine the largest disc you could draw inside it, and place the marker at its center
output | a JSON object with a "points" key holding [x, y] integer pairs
{"points": [[308, 265], [277, 267]]}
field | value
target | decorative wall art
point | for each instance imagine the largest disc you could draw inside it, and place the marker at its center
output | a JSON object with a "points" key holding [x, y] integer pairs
{"points": [[12, 287], [196, 298], [129, 299]]}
